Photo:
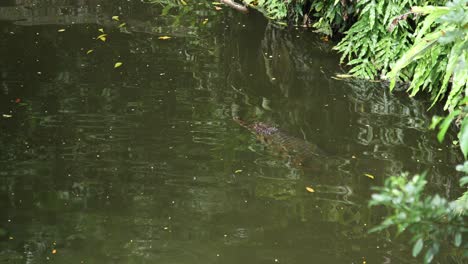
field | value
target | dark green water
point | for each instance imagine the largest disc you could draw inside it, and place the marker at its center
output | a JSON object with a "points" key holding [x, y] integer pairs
{"points": [[144, 163]]}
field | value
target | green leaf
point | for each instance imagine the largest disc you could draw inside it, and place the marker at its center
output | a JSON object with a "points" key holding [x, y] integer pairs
{"points": [[446, 124], [118, 64], [429, 256], [418, 247], [464, 181], [435, 121], [372, 15], [463, 136]]}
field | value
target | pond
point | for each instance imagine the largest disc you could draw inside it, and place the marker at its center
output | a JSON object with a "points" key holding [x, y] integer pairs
{"points": [[123, 139]]}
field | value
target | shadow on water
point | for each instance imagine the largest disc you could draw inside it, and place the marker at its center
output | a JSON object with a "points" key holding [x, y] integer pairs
{"points": [[145, 164]]}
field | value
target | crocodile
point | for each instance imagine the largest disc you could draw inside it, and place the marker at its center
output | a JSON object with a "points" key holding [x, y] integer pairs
{"points": [[298, 152]]}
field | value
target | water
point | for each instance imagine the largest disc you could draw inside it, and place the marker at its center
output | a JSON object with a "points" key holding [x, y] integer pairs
{"points": [[144, 163]]}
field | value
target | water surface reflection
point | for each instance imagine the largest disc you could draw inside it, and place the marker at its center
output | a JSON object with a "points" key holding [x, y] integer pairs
{"points": [[144, 163]]}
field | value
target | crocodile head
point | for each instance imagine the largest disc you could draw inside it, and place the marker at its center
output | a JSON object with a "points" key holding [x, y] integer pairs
{"points": [[258, 128], [264, 129]]}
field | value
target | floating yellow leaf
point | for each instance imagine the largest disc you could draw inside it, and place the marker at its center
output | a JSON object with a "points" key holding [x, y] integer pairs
{"points": [[89, 51], [217, 8], [216, 3], [238, 171], [205, 21], [61, 30], [101, 30], [54, 251], [344, 76], [7, 116], [369, 175], [116, 18], [310, 189], [118, 64], [164, 37], [102, 37], [122, 25]]}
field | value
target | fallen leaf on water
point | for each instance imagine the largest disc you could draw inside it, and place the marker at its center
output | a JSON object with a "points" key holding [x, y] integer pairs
{"points": [[217, 8], [238, 171], [344, 76], [310, 189], [61, 30], [369, 175], [118, 64], [116, 18], [7, 116], [216, 3], [89, 51], [54, 251], [122, 25], [17, 100], [324, 38], [101, 30], [164, 37], [205, 21], [102, 37]]}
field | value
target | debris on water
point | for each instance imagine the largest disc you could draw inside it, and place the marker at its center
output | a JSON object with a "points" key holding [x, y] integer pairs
{"points": [[54, 251], [369, 175], [7, 116], [164, 37], [238, 171], [117, 65], [310, 189], [61, 30], [344, 76]]}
